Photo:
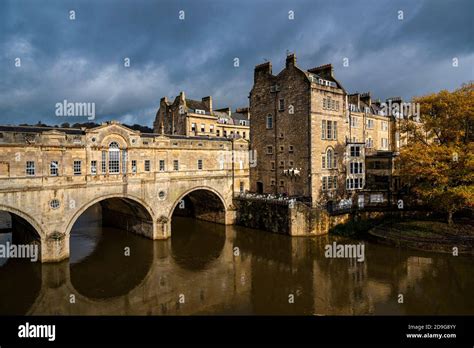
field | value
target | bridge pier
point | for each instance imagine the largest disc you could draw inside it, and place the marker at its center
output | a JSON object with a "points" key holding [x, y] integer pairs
{"points": [[54, 247]]}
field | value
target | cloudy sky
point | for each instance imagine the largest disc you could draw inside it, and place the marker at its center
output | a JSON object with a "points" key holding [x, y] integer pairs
{"points": [[82, 60]]}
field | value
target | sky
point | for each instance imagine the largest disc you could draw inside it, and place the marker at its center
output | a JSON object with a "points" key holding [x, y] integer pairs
{"points": [[80, 56]]}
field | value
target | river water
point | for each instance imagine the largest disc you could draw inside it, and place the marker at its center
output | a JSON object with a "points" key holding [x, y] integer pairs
{"points": [[206, 268]]}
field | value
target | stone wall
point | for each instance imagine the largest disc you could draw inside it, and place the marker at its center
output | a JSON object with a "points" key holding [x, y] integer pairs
{"points": [[290, 218]]}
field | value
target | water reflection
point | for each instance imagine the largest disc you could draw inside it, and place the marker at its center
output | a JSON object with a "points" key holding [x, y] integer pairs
{"points": [[196, 246], [200, 265]]}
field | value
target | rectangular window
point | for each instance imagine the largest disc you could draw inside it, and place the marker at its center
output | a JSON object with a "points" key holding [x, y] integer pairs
{"points": [[124, 161], [147, 165], [224, 133], [323, 161], [54, 168], [203, 128], [354, 122], [370, 143], [329, 182], [273, 165], [134, 166], [269, 122], [175, 165], [325, 183], [356, 168], [269, 150], [281, 104], [77, 167], [334, 182], [218, 132], [104, 162], [290, 149], [199, 164], [329, 130], [335, 130], [384, 125], [193, 127], [114, 161], [323, 129], [384, 143], [241, 187], [370, 123], [93, 167], [244, 135], [355, 151], [162, 165], [282, 164], [211, 128], [30, 168]]}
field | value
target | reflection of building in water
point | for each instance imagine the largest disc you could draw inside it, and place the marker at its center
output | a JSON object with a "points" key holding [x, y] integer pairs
{"points": [[347, 287], [416, 268], [221, 285], [339, 285], [281, 273]]}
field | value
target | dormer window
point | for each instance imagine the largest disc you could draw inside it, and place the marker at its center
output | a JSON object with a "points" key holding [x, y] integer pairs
{"points": [[199, 111]]}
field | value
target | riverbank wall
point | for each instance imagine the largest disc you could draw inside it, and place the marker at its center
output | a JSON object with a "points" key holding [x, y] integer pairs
{"points": [[285, 216]]}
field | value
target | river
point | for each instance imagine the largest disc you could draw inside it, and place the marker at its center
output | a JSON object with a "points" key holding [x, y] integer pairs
{"points": [[211, 269]]}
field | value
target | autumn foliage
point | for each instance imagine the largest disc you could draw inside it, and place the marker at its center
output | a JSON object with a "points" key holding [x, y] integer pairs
{"points": [[437, 162]]}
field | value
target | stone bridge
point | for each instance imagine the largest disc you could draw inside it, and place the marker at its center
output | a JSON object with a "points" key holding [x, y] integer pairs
{"points": [[49, 177]]}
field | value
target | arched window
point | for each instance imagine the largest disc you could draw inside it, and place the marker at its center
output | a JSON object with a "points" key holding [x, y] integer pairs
{"points": [[114, 158], [329, 158]]}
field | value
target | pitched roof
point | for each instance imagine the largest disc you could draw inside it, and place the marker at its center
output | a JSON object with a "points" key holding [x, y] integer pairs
{"points": [[196, 104]]}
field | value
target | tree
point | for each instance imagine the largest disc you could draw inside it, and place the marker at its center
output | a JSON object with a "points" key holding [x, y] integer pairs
{"points": [[438, 160]]}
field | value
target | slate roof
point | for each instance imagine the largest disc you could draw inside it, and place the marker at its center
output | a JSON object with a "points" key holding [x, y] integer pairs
{"points": [[39, 129], [196, 104]]}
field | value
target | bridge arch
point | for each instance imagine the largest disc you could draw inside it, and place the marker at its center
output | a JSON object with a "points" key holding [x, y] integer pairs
{"points": [[28, 218], [206, 189], [96, 200]]}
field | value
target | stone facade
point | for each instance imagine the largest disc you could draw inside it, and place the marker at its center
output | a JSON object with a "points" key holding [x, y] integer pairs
{"points": [[50, 176], [191, 117], [310, 136]]}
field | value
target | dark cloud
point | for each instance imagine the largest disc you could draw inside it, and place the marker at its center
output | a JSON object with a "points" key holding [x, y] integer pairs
{"points": [[82, 60]]}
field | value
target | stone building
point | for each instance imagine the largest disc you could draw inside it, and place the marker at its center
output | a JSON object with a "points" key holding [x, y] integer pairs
{"points": [[192, 117], [310, 136]]}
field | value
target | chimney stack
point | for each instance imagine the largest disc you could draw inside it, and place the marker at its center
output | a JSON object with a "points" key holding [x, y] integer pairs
{"points": [[208, 102], [290, 60]]}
